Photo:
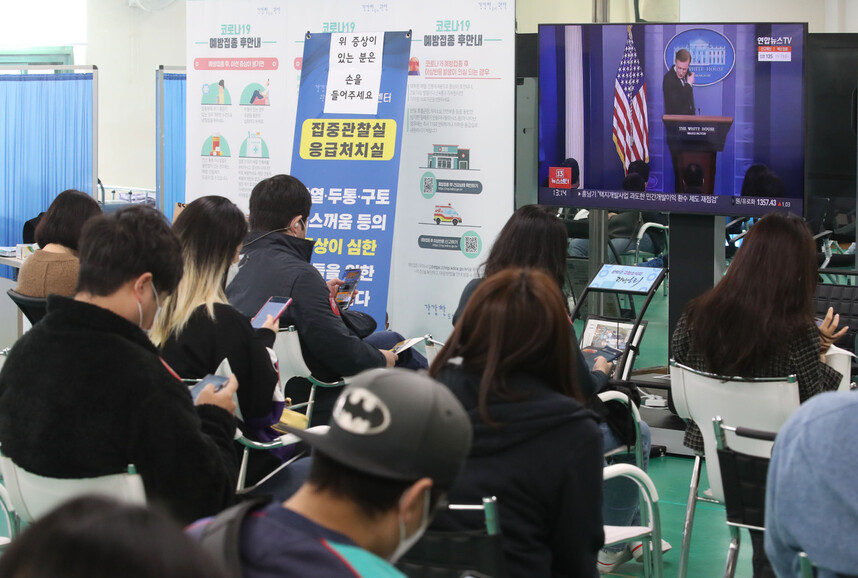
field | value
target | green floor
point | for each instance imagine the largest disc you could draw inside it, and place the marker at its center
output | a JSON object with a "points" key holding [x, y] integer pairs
{"points": [[672, 475], [710, 536]]}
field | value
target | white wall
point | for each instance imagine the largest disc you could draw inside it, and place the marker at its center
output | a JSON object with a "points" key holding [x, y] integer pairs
{"points": [[821, 15], [127, 44]]}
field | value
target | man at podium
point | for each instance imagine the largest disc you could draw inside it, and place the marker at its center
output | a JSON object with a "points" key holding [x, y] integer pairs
{"points": [[678, 85]]}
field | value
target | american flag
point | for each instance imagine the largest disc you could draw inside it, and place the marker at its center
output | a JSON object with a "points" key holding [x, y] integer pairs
{"points": [[631, 124]]}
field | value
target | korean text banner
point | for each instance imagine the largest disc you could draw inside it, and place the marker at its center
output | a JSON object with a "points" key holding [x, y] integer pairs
{"points": [[238, 97], [350, 159]]}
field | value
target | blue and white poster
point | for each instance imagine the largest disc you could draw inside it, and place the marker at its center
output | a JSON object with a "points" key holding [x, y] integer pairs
{"points": [[349, 159]]}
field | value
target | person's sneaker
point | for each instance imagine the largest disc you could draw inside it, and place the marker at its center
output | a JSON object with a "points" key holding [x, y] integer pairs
{"points": [[609, 561], [637, 549]]}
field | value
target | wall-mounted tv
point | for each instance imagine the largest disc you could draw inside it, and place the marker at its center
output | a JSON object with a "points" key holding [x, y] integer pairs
{"points": [[700, 103]]}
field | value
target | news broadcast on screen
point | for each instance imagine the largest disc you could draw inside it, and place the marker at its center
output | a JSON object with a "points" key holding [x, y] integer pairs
{"points": [[701, 104]]}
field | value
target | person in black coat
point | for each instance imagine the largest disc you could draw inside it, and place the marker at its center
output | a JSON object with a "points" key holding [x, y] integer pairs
{"points": [[198, 329], [678, 85], [275, 260], [84, 393], [535, 446]]}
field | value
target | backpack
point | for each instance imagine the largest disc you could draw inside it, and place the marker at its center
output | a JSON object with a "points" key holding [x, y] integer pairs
{"points": [[615, 414], [220, 537]]}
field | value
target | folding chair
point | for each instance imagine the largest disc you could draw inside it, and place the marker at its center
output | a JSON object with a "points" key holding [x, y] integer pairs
{"points": [[287, 347], [761, 403], [249, 445], [743, 477], [27, 496], [449, 554], [431, 346], [33, 308], [650, 534], [617, 396]]}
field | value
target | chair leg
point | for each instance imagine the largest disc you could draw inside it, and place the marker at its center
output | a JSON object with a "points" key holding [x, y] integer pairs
{"points": [[689, 517], [648, 547], [732, 552]]}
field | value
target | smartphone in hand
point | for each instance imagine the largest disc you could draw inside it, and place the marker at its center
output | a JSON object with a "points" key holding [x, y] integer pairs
{"points": [[275, 306], [347, 290], [218, 381]]}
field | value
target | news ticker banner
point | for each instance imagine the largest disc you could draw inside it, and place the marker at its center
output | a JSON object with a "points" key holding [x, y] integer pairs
{"points": [[668, 202], [348, 134]]}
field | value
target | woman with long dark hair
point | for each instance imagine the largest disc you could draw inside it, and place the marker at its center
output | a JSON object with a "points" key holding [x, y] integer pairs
{"points": [[758, 321], [535, 237], [197, 329], [535, 445]]}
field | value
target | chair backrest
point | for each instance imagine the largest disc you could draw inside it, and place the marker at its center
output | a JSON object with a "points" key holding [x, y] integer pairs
{"points": [[743, 476], [844, 300], [33, 496], [759, 403], [449, 554], [290, 361], [34, 308]]}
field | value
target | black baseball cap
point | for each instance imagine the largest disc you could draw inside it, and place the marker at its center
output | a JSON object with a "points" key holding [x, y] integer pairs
{"points": [[396, 424]]}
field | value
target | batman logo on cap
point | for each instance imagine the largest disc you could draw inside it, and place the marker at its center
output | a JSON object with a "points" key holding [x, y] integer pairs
{"points": [[361, 412]]}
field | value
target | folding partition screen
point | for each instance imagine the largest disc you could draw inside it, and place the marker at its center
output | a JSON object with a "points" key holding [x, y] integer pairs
{"points": [[48, 141], [170, 110]]}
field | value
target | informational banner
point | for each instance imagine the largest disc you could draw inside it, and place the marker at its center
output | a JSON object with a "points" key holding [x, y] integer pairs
{"points": [[455, 188], [347, 139], [457, 173], [237, 104]]}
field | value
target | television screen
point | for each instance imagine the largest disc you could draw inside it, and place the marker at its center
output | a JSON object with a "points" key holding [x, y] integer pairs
{"points": [[702, 105]]}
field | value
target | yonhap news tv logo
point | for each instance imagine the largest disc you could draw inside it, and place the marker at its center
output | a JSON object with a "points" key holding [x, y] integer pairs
{"points": [[712, 54], [560, 177]]}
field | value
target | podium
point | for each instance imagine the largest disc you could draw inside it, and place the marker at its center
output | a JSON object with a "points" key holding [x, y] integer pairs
{"points": [[696, 139]]}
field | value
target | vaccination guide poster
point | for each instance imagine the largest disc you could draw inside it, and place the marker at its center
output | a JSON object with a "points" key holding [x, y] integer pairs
{"points": [[455, 186]]}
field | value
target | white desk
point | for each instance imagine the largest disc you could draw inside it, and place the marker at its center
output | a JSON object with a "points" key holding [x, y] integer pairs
{"points": [[12, 262]]}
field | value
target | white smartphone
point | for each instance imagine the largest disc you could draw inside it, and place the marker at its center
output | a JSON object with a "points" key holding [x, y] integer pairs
{"points": [[275, 306]]}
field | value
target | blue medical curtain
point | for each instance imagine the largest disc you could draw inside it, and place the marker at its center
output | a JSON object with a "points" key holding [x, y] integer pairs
{"points": [[45, 145], [174, 142]]}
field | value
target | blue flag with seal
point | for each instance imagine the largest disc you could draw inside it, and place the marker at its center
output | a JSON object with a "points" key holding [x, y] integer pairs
{"points": [[348, 132]]}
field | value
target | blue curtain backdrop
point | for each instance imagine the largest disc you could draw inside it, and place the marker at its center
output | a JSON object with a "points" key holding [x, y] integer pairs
{"points": [[45, 145], [174, 141]]}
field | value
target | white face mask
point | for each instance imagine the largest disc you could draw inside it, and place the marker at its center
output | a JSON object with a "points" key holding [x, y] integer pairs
{"points": [[157, 311], [406, 542]]}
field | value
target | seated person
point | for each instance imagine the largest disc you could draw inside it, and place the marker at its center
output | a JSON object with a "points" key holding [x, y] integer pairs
{"points": [[534, 237], [197, 329], [101, 538], [536, 447], [758, 320], [623, 228], [53, 268], [809, 504], [84, 393], [275, 260], [372, 489]]}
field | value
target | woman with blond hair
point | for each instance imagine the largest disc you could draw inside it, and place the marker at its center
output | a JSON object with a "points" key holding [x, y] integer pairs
{"points": [[197, 329]]}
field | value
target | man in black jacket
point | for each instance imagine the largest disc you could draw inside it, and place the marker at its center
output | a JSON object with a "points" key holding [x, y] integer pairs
{"points": [[275, 260], [678, 85], [84, 393]]}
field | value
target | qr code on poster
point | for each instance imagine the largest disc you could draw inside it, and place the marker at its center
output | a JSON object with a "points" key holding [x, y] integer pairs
{"points": [[428, 185], [472, 245]]}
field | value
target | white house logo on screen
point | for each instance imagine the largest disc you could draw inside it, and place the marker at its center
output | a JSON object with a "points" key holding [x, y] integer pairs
{"points": [[361, 412], [712, 54]]}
